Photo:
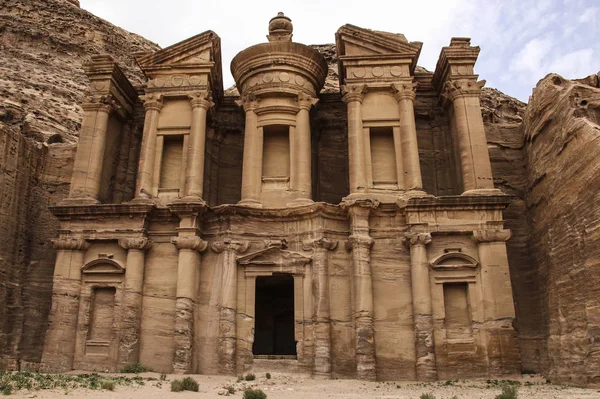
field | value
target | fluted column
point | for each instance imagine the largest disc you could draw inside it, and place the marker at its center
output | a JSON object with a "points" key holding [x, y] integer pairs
{"points": [[129, 343], [89, 160], [59, 347], [189, 261], [303, 182], [321, 314], [227, 350], [253, 154], [426, 369], [473, 153], [194, 174], [405, 95], [360, 244], [145, 175], [353, 96]]}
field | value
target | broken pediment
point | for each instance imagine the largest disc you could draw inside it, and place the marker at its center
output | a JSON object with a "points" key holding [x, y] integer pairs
{"points": [[274, 256], [192, 63], [204, 48], [353, 41]]}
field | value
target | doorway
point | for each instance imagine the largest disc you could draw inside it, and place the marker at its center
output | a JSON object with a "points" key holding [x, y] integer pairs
{"points": [[274, 312]]}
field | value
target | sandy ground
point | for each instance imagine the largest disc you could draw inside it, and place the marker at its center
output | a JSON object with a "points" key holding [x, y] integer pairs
{"points": [[297, 386]]}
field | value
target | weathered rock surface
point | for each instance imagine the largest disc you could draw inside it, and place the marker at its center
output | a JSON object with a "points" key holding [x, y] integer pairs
{"points": [[43, 44], [562, 132]]}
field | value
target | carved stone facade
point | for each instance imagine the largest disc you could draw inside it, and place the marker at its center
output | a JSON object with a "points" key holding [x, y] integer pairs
{"points": [[238, 246]]}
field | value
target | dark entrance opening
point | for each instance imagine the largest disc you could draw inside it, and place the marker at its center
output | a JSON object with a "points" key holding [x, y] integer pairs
{"points": [[274, 311]]}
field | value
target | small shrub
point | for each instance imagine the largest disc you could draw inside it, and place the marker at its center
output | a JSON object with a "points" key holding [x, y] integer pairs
{"points": [[240, 378], [268, 375], [427, 396], [163, 377], [250, 377], [134, 368], [254, 394], [229, 389], [508, 392], [187, 384], [176, 386], [108, 385]]}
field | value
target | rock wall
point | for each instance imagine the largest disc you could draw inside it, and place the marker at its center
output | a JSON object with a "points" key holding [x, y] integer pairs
{"points": [[43, 44], [562, 132]]}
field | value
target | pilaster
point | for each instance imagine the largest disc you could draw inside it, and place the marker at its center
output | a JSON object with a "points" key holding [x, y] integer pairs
{"points": [[145, 177], [253, 154], [425, 368], [59, 346], [353, 96], [229, 250], [301, 171], [321, 311], [129, 342]]}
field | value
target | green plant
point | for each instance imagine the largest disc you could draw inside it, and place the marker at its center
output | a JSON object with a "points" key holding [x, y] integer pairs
{"points": [[250, 377], [134, 368], [229, 389], [427, 396], [187, 384], [254, 394], [109, 385], [268, 375], [508, 392]]}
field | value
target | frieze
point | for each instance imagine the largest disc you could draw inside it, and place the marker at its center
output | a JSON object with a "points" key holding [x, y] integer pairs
{"points": [[177, 81], [278, 77]]}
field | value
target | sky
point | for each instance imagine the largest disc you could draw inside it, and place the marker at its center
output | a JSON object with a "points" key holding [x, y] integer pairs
{"points": [[521, 40]]}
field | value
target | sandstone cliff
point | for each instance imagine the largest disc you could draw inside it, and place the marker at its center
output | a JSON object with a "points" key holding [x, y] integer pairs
{"points": [[562, 133], [43, 44]]}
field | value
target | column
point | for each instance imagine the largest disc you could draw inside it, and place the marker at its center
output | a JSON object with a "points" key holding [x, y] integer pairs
{"points": [[129, 342], [426, 369], [360, 243], [321, 316], [228, 249], [353, 96], [498, 305], [59, 347], [252, 163], [144, 184], [405, 95], [194, 174], [470, 135], [189, 261], [89, 160], [303, 183]]}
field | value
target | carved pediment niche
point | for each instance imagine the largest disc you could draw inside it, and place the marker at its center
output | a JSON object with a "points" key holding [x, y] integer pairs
{"points": [[453, 260], [103, 266], [274, 256]]}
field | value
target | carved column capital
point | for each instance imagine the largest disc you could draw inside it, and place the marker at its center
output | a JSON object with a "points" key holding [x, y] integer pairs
{"points": [[190, 243], [227, 244], [457, 88], [103, 103], [152, 101], [354, 241], [491, 235], [411, 239], [405, 90], [322, 243], [249, 102], [201, 99], [70, 244], [306, 101], [353, 93], [135, 243]]}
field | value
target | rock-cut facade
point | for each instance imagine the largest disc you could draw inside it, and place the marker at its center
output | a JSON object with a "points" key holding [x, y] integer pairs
{"points": [[343, 230]]}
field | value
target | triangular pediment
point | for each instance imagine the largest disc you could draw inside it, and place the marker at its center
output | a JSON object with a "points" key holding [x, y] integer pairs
{"points": [[354, 41], [274, 256], [204, 48]]}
